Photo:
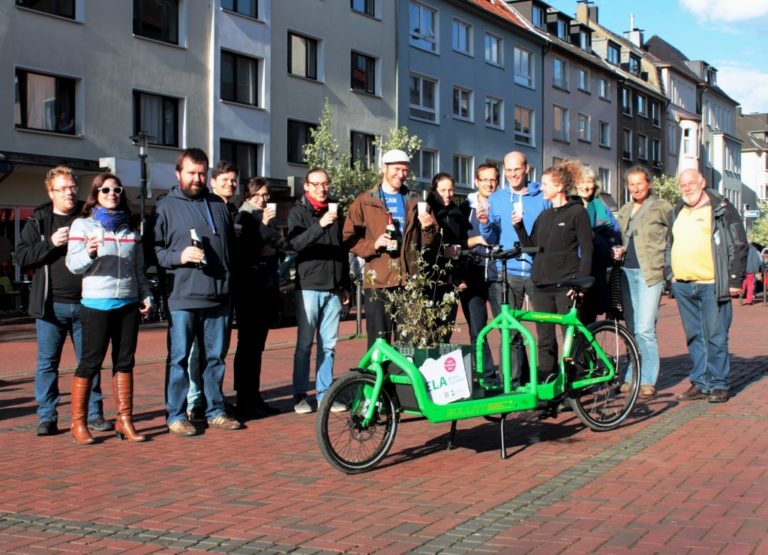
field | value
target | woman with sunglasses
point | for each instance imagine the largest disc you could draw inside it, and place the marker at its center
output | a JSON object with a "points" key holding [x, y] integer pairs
{"points": [[106, 250]]}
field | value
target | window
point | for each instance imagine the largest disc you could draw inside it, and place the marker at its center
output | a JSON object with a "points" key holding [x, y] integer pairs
{"points": [[614, 54], [537, 17], [688, 146], [45, 102], [461, 37], [604, 179], [642, 147], [523, 125], [605, 89], [423, 98], [64, 8], [248, 8], [561, 30], [655, 114], [364, 6], [583, 128], [523, 67], [494, 112], [583, 83], [626, 101], [672, 138], [642, 105], [363, 150], [424, 164], [462, 103], [585, 40], [157, 19], [626, 144], [656, 152], [302, 56], [560, 73], [244, 155], [462, 170], [493, 49], [239, 78], [158, 116], [363, 73], [299, 134], [560, 129], [634, 64], [421, 25], [605, 134]]}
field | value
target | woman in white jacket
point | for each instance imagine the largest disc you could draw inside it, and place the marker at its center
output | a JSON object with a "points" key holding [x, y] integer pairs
{"points": [[106, 250]]}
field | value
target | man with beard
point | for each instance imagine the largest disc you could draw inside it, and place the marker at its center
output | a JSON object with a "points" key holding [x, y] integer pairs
{"points": [[709, 260], [193, 241]]}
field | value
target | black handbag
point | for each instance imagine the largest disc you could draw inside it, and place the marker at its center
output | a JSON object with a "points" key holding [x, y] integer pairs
{"points": [[616, 305]]}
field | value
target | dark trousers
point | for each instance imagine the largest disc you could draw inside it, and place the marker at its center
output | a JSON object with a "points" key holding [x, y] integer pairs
{"points": [[102, 327], [549, 300], [377, 320], [474, 304], [255, 315]]}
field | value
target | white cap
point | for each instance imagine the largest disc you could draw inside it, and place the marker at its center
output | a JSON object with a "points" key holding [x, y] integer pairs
{"points": [[395, 157]]}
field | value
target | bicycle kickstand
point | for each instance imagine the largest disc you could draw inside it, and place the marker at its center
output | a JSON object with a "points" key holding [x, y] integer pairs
{"points": [[502, 419], [451, 436]]}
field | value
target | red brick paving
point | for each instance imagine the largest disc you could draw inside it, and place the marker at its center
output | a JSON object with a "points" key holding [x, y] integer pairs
{"points": [[702, 487]]}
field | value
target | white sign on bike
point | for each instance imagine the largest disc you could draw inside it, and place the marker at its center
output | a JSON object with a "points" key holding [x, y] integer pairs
{"points": [[446, 378]]}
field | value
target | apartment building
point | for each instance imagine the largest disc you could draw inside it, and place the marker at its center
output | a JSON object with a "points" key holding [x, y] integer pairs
{"points": [[469, 83], [752, 130]]}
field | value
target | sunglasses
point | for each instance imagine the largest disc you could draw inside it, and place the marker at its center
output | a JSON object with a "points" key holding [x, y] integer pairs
{"points": [[106, 190]]}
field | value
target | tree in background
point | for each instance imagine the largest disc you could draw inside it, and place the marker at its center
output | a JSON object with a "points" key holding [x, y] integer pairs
{"points": [[347, 179], [666, 187], [758, 233]]}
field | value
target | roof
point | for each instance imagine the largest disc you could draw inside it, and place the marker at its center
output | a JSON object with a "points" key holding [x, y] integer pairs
{"points": [[499, 9], [665, 52], [748, 127]]}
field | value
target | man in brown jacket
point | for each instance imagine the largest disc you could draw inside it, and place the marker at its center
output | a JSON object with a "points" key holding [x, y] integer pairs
{"points": [[387, 260]]}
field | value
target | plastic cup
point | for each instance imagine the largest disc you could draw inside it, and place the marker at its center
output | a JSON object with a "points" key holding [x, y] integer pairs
{"points": [[518, 208], [422, 207], [333, 207], [272, 206]]}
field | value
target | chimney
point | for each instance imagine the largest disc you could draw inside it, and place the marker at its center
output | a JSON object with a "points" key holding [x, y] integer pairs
{"points": [[586, 11], [634, 35]]}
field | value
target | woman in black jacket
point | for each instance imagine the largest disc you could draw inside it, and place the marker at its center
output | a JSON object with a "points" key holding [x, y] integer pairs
{"points": [[564, 236]]}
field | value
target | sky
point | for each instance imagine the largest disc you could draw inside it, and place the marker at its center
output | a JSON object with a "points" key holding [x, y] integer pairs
{"points": [[727, 34]]}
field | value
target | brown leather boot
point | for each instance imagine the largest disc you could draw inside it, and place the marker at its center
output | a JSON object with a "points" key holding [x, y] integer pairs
{"points": [[81, 389], [122, 389]]}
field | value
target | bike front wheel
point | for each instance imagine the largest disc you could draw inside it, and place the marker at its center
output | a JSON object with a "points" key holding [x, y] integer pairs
{"points": [[604, 405], [345, 441]]}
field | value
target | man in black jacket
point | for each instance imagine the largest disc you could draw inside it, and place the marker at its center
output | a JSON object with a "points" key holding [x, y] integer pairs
{"points": [[322, 285], [54, 298]]}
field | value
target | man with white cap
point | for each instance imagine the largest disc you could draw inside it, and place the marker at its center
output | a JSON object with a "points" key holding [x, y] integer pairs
{"points": [[387, 260]]}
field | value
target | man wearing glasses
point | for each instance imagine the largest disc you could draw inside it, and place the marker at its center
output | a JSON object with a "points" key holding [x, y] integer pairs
{"points": [[54, 298], [322, 285]]}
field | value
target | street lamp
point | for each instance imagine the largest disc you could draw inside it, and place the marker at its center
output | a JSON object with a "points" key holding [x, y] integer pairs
{"points": [[141, 139]]}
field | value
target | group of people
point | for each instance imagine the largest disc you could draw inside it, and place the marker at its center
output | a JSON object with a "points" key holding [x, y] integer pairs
{"points": [[88, 261]]}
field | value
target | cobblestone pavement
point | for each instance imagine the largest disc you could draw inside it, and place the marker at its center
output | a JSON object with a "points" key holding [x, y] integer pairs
{"points": [[676, 478]]}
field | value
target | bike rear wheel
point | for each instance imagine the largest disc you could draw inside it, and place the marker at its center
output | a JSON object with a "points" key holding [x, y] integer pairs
{"points": [[344, 440], [605, 405]]}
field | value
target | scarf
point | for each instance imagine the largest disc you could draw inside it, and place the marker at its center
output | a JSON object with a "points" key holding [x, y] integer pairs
{"points": [[110, 220], [316, 205]]}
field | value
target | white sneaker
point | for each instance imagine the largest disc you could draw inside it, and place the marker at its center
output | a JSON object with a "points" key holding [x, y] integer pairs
{"points": [[338, 407], [303, 407]]}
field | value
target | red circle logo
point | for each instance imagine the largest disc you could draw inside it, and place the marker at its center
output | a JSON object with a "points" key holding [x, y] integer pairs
{"points": [[450, 364]]}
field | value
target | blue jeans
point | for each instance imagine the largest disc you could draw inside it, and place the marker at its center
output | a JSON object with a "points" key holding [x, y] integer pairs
{"points": [[52, 330], [209, 326], [706, 324], [317, 313], [641, 313], [195, 393]]}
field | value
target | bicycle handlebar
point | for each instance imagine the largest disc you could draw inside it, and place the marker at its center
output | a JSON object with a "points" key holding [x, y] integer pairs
{"points": [[496, 252]]}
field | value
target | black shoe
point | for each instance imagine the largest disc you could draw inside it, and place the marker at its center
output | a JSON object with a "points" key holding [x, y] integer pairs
{"points": [[693, 393], [718, 396], [262, 406], [100, 425], [47, 428], [196, 414]]}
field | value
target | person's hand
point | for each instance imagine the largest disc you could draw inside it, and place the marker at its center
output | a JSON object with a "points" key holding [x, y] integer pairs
{"points": [[426, 220], [267, 216], [328, 219], [192, 255], [477, 240], [382, 241], [60, 237], [92, 246], [145, 307], [452, 251], [618, 252], [734, 291], [572, 294], [481, 212], [517, 218], [462, 286], [345, 297]]}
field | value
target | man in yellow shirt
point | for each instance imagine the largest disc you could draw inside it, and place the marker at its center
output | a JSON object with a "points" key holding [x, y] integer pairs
{"points": [[708, 258]]}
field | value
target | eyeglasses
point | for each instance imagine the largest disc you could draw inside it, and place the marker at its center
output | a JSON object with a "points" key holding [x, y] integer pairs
{"points": [[65, 190], [106, 190], [490, 180], [318, 184], [261, 195]]}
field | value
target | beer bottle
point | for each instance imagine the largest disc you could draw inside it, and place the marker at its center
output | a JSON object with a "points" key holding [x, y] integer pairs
{"points": [[396, 238], [196, 242]]}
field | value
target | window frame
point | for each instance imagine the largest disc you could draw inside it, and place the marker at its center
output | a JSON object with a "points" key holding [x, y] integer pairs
{"points": [[308, 126], [234, 9], [562, 83], [538, 18], [434, 110], [656, 152], [626, 101], [470, 103], [604, 130], [22, 117], [584, 123], [641, 105], [245, 171], [311, 46], [373, 90], [523, 79], [466, 160], [583, 82], [489, 101], [467, 27], [565, 132], [613, 54], [371, 154], [166, 101], [490, 38], [604, 89], [417, 39], [642, 146], [655, 113], [56, 11], [521, 136], [235, 79], [626, 144], [369, 7], [634, 65], [417, 164], [139, 26]]}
